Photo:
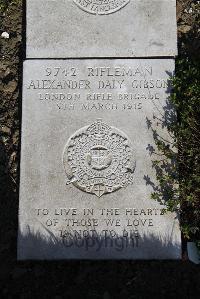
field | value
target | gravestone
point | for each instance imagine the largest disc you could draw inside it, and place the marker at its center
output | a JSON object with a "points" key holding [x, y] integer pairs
{"points": [[86, 165], [101, 28]]}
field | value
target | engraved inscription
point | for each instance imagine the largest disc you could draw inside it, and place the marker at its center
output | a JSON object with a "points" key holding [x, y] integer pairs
{"points": [[101, 7], [98, 159], [99, 87]]}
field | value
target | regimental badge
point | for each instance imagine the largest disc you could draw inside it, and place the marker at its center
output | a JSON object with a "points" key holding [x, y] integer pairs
{"points": [[101, 7], [98, 159]]}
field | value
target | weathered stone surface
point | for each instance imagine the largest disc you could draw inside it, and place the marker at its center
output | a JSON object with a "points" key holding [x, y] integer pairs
{"points": [[71, 28], [86, 172]]}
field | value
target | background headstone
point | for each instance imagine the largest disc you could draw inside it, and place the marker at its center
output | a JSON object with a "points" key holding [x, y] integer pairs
{"points": [[82, 28]]}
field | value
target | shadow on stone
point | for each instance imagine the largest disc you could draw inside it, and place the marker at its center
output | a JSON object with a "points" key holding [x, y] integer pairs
{"points": [[44, 245], [164, 154]]}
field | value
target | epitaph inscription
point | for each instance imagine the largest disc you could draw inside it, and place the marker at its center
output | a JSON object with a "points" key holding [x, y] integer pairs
{"points": [[101, 7], [98, 159]]}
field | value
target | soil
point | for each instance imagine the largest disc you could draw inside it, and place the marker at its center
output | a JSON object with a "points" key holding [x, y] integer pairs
{"points": [[81, 279]]}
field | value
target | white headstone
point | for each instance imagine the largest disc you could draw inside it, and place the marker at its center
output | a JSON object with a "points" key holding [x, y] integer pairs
{"points": [[85, 159], [101, 28]]}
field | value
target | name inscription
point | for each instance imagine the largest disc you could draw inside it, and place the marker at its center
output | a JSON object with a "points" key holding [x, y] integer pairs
{"points": [[98, 88]]}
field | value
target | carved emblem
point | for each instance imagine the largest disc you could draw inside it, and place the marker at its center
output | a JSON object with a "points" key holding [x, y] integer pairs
{"points": [[98, 159], [101, 7]]}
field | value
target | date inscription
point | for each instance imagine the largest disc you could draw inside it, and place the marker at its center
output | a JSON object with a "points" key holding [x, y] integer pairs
{"points": [[98, 88]]}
